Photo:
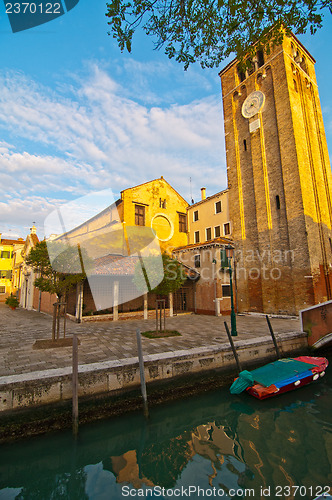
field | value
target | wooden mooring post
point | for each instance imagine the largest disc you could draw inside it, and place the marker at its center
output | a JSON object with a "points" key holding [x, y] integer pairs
{"points": [[75, 385], [273, 336], [141, 372], [233, 347]]}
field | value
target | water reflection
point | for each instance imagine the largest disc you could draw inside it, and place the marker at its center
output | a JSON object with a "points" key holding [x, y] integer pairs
{"points": [[215, 440]]}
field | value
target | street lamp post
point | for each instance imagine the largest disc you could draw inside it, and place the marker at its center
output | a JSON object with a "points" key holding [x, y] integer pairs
{"points": [[229, 254], [214, 263]]}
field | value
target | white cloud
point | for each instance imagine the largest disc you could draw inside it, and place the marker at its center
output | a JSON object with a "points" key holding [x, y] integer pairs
{"points": [[18, 214], [95, 137]]}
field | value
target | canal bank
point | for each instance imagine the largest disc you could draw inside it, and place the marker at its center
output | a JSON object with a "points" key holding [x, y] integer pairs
{"points": [[36, 402], [39, 380], [119, 376], [216, 439]]}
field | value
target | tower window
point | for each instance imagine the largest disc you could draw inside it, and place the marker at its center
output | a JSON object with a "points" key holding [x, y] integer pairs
{"points": [[330, 244], [251, 67], [260, 57], [295, 86], [278, 202], [241, 74], [303, 64], [162, 203], [293, 50], [245, 144]]}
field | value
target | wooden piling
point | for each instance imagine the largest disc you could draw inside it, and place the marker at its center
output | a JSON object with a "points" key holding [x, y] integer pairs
{"points": [[75, 385], [273, 336], [141, 371], [233, 347], [54, 321]]}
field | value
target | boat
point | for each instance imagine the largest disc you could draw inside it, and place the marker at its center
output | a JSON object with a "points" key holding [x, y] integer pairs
{"points": [[280, 376]]}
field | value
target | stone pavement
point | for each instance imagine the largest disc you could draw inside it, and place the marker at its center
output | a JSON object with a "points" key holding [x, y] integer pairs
{"points": [[108, 340]]}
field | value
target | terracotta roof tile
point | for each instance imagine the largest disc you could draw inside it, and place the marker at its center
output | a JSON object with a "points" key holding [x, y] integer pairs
{"points": [[215, 241], [118, 265], [5, 241]]}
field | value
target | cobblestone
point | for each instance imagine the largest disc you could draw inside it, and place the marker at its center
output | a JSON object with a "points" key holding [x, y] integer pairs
{"points": [[108, 340]]}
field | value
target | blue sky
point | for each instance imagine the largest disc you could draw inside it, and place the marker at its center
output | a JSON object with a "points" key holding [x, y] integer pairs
{"points": [[78, 116]]}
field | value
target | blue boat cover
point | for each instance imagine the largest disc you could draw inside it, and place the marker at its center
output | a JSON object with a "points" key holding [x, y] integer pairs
{"points": [[240, 384], [280, 371]]}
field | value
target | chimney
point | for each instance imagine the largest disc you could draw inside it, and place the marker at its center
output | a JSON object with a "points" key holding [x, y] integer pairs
{"points": [[203, 193]]}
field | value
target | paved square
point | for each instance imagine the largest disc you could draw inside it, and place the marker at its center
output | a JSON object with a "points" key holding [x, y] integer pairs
{"points": [[108, 340]]}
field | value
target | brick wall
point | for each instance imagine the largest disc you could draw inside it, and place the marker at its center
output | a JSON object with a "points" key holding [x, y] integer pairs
{"points": [[279, 186]]}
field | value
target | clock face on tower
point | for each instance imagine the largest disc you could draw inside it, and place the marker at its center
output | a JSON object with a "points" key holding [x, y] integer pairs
{"points": [[253, 104]]}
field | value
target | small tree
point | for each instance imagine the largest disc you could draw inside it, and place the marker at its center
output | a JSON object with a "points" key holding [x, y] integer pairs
{"points": [[173, 276], [60, 276]]}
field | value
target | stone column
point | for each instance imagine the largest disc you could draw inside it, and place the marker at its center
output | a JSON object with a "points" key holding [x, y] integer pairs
{"points": [[217, 306], [170, 298], [79, 301]]}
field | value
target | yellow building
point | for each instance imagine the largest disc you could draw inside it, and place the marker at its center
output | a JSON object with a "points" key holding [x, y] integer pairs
{"points": [[209, 218], [147, 219], [209, 231], [154, 204], [25, 274], [7, 249], [157, 205]]}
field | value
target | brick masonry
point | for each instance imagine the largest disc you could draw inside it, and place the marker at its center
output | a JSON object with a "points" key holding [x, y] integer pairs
{"points": [[279, 184]]}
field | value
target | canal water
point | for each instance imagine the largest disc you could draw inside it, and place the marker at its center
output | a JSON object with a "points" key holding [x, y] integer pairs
{"points": [[213, 445]]}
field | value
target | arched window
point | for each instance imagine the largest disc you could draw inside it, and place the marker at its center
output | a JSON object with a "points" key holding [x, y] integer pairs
{"points": [[241, 73], [260, 57], [303, 64]]}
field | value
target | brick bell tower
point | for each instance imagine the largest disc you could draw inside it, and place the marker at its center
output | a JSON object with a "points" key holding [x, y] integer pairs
{"points": [[279, 180]]}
